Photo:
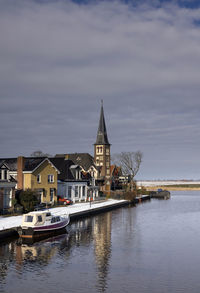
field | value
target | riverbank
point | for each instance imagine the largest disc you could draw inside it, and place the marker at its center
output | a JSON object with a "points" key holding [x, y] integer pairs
{"points": [[8, 225]]}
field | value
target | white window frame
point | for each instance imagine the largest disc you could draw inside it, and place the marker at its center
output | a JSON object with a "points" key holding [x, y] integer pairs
{"points": [[50, 178]]}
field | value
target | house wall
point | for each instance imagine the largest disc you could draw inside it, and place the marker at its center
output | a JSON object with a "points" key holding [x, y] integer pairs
{"points": [[30, 181], [7, 194], [63, 190], [27, 181]]}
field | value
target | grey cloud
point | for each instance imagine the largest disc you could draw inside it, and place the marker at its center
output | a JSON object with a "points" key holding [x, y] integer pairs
{"points": [[59, 59]]}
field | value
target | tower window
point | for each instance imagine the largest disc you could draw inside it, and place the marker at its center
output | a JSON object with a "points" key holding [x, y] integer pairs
{"points": [[99, 150], [107, 151]]}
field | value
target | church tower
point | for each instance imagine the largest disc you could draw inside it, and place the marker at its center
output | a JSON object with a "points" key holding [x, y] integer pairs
{"points": [[102, 151]]}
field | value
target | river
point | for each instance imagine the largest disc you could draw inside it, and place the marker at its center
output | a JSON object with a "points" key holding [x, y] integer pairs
{"points": [[153, 247]]}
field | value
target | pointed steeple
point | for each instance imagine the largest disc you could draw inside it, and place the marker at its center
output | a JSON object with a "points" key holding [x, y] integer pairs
{"points": [[102, 137]]}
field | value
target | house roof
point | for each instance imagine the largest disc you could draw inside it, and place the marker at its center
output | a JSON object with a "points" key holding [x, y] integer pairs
{"points": [[32, 163], [10, 162], [115, 170], [84, 160], [63, 166], [3, 163]]}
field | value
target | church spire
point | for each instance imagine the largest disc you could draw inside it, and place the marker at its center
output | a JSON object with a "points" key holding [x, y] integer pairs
{"points": [[102, 137]]}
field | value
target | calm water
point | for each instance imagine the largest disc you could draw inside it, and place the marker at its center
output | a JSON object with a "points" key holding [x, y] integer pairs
{"points": [[153, 247]]}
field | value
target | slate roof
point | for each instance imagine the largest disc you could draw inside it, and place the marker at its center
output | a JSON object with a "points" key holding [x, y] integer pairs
{"points": [[102, 137], [64, 167], [32, 162], [10, 162], [84, 160]]}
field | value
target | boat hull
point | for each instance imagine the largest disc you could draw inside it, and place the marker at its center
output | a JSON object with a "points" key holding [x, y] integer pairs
{"points": [[36, 232]]}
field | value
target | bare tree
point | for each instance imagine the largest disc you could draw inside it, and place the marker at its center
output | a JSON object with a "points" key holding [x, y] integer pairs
{"points": [[39, 153], [130, 163]]}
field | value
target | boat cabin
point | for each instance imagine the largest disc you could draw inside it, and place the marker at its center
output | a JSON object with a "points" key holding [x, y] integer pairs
{"points": [[37, 219]]}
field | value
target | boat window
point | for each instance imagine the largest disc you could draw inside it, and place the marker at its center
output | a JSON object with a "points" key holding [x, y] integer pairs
{"points": [[39, 218], [29, 219], [55, 219], [48, 214]]}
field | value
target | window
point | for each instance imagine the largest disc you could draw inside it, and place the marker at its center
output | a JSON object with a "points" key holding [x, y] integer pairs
{"points": [[39, 218], [50, 178], [107, 151], [29, 219], [39, 194], [69, 191], [55, 219], [7, 198], [99, 150], [51, 194], [79, 191], [76, 191], [83, 190], [38, 178], [5, 174]]}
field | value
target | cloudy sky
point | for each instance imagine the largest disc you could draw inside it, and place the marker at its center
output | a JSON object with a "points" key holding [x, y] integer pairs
{"points": [[58, 59]]}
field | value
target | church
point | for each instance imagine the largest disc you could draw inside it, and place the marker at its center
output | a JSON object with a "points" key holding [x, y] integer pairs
{"points": [[102, 152], [98, 166]]}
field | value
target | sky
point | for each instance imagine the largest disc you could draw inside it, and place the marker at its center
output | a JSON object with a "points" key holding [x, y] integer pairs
{"points": [[58, 59]]}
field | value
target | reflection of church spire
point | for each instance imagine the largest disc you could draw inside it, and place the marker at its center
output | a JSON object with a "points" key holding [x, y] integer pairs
{"points": [[102, 236], [102, 137]]}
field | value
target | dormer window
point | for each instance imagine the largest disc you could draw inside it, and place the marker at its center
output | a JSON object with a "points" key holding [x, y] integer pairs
{"points": [[4, 174], [78, 174]]}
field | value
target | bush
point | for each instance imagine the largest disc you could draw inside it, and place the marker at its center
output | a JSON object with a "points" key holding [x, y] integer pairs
{"points": [[28, 199], [130, 195], [127, 195]]}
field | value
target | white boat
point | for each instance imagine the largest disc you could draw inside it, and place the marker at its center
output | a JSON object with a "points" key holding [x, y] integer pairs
{"points": [[42, 223]]}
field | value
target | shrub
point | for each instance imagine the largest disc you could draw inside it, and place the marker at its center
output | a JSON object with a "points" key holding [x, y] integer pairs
{"points": [[28, 199]]}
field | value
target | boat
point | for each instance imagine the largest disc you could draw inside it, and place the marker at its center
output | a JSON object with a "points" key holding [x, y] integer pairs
{"points": [[42, 223]]}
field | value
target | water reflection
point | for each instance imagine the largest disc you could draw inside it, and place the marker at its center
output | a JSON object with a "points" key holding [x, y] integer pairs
{"points": [[102, 240], [149, 249], [25, 254]]}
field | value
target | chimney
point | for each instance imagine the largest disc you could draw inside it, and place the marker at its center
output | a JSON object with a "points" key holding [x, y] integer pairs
{"points": [[20, 176]]}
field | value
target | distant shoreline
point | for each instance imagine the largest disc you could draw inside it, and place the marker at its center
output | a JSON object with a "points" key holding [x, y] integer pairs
{"points": [[173, 188]]}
